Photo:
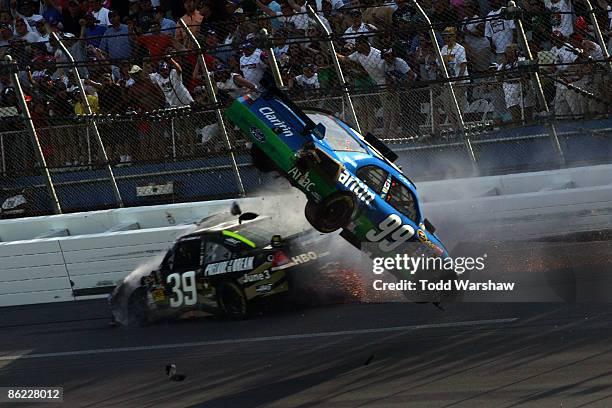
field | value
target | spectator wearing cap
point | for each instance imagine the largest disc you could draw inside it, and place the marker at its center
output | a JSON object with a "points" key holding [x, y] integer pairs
{"points": [[192, 18], [170, 80], [252, 63], [71, 16], [398, 75], [357, 28], [562, 19], [168, 27], [307, 83], [145, 96], [455, 60], [91, 30], [99, 12], [500, 32]]}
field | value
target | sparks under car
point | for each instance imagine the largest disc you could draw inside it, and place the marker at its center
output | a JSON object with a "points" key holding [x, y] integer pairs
{"points": [[225, 266], [350, 181]]}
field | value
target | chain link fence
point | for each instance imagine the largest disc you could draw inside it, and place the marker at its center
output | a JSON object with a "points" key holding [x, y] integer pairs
{"points": [[445, 82]]}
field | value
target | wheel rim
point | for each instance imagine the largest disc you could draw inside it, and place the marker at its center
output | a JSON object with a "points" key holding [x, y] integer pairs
{"points": [[337, 211]]}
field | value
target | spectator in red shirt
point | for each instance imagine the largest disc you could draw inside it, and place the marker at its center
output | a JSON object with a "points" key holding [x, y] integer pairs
{"points": [[157, 43]]}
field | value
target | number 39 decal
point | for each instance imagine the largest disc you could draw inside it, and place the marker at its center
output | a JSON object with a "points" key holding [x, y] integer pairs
{"points": [[183, 289], [392, 225]]}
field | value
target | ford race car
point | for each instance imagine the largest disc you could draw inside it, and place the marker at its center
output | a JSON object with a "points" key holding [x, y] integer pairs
{"points": [[350, 181], [223, 267]]}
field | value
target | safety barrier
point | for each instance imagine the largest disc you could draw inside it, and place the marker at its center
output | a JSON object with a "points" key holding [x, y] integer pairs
{"points": [[79, 256]]}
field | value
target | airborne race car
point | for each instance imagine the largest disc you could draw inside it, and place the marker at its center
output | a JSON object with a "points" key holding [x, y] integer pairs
{"points": [[351, 182], [225, 266]]}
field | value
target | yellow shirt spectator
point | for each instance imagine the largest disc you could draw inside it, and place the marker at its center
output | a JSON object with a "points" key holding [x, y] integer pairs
{"points": [[79, 109]]}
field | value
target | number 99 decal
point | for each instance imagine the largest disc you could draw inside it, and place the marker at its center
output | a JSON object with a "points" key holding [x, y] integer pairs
{"points": [[392, 229], [183, 289]]}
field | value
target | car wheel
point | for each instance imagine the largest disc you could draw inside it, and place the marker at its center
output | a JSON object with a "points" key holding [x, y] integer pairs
{"points": [[137, 310], [333, 213], [232, 300], [260, 160]]}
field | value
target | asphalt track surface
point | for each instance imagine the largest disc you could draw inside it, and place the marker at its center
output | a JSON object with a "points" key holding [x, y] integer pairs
{"points": [[392, 354]]}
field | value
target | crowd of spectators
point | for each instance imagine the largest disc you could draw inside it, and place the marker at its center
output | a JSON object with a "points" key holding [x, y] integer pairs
{"points": [[133, 57]]}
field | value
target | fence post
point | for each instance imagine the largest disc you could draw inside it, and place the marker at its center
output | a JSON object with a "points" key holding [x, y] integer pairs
{"points": [[278, 79], [213, 97], [455, 104], [96, 133], [25, 111], [598, 34], [552, 131], [2, 154], [346, 95]]}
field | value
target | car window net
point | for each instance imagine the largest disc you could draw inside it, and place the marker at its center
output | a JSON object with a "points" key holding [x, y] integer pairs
{"points": [[402, 200]]}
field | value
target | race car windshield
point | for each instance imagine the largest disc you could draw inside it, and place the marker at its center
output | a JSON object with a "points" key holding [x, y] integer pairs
{"points": [[336, 136]]}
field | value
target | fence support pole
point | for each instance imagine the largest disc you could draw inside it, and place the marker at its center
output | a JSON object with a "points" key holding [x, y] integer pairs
{"points": [[213, 98], [88, 111], [455, 104], [25, 111], [278, 79], [598, 34], [346, 95], [552, 131]]}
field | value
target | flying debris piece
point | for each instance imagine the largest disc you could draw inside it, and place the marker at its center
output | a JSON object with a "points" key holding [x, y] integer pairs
{"points": [[172, 375], [369, 360]]}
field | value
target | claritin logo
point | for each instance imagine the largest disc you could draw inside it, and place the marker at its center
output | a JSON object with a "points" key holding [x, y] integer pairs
{"points": [[269, 114]]}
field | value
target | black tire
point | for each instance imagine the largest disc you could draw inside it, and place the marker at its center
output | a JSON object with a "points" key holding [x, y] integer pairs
{"points": [[232, 300], [333, 213], [260, 161], [138, 314]]}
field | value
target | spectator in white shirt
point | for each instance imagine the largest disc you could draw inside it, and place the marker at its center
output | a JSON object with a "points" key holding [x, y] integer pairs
{"points": [[566, 101], [252, 63], [561, 16], [287, 16], [169, 78], [518, 98], [358, 28], [500, 32], [369, 59], [99, 12], [231, 83], [307, 82], [455, 60]]}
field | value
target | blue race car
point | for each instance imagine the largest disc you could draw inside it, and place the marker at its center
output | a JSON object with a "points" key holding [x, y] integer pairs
{"points": [[350, 181]]}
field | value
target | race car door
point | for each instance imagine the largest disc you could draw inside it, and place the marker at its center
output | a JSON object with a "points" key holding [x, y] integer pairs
{"points": [[183, 264]]}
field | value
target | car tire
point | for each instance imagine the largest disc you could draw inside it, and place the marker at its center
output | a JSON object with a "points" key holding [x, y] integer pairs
{"points": [[138, 314], [333, 213], [260, 161], [232, 300]]}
